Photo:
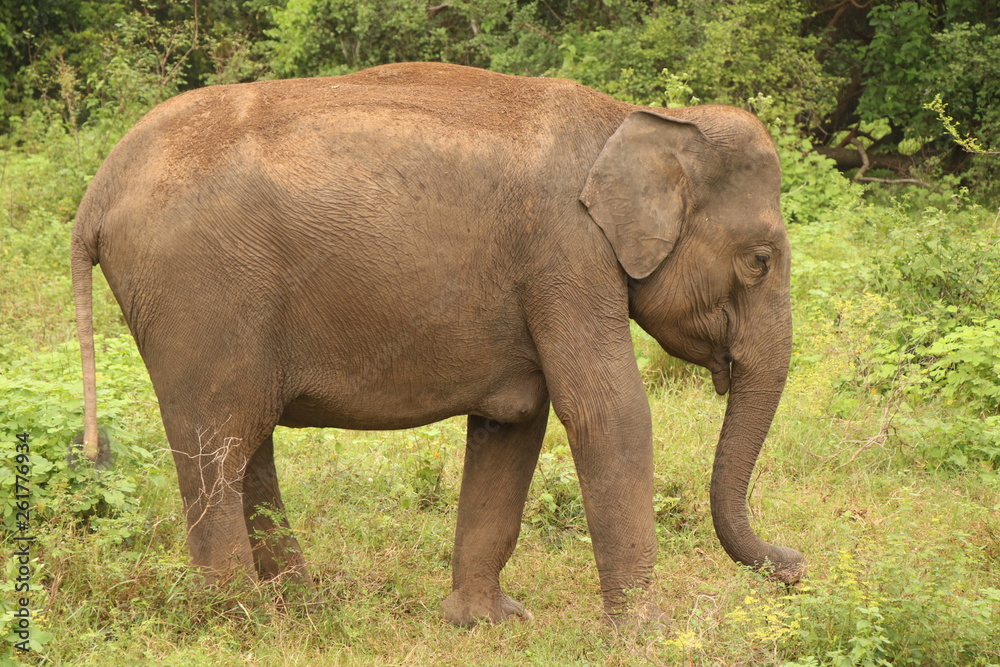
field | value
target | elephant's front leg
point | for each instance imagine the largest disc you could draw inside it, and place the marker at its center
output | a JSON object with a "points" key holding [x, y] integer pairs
{"points": [[597, 392], [499, 462], [614, 461]]}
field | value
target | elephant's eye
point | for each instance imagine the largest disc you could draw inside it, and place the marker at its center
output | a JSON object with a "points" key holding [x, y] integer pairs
{"points": [[757, 264]]}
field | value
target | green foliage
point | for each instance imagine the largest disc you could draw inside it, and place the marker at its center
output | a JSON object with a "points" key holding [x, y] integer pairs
{"points": [[899, 57], [322, 37], [966, 362], [9, 595], [555, 505], [752, 48], [78, 58], [336, 36], [880, 612], [888, 612], [811, 187], [929, 302], [80, 61], [916, 50], [42, 399], [896, 61], [940, 272], [713, 51]]}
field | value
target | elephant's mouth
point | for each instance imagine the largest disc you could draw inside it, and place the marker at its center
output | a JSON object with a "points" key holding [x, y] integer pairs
{"points": [[721, 365], [721, 373]]}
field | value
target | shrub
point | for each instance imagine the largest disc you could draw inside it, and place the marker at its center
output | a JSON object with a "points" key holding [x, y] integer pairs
{"points": [[42, 399], [716, 52], [928, 299], [887, 611]]}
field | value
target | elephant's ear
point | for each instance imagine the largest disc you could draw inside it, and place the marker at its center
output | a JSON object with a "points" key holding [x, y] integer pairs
{"points": [[635, 190]]}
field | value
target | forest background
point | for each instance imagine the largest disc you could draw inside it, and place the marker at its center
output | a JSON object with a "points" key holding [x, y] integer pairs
{"points": [[882, 464]]}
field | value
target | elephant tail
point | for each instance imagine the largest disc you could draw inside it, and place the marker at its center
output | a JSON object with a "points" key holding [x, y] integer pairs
{"points": [[82, 260]]}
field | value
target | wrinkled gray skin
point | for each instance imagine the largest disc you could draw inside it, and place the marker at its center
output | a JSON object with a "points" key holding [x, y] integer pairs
{"points": [[411, 242]]}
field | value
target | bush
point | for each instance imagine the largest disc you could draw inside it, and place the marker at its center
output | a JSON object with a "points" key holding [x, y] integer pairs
{"points": [[811, 187], [928, 299], [715, 52], [327, 37], [42, 399], [889, 612], [880, 611]]}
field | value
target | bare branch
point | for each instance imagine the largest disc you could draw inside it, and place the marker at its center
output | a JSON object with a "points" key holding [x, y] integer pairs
{"points": [[849, 158], [894, 181], [866, 165], [433, 11], [865, 162]]}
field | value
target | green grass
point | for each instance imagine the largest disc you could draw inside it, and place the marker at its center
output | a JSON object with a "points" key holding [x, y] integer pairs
{"points": [[903, 546]]}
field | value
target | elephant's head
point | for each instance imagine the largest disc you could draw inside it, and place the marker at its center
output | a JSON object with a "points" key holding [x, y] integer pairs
{"points": [[689, 204]]}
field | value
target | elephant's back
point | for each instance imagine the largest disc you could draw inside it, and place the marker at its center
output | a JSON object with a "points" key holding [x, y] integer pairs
{"points": [[468, 99], [302, 127], [199, 126]]}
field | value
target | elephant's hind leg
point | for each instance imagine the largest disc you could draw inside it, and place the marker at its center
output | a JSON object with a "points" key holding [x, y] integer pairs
{"points": [[211, 458], [276, 552], [217, 418], [499, 462]]}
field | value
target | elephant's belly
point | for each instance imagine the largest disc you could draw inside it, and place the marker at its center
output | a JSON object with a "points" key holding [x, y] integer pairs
{"points": [[507, 400], [313, 412]]}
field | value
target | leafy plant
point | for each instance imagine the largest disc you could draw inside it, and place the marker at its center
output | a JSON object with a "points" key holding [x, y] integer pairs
{"points": [[422, 481], [929, 302], [811, 186], [555, 505], [43, 399], [326, 37], [889, 613]]}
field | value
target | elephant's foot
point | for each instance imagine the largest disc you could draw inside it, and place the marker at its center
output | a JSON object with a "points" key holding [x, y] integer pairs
{"points": [[465, 609]]}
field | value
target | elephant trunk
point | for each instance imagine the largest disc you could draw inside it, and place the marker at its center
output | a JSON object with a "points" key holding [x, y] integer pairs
{"points": [[757, 383]]}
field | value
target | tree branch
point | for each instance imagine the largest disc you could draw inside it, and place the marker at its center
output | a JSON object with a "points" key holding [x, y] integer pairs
{"points": [[894, 181], [865, 162], [866, 165], [848, 158], [433, 11]]}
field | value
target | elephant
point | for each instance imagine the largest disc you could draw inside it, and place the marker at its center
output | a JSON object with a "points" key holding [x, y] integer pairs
{"points": [[416, 241]]}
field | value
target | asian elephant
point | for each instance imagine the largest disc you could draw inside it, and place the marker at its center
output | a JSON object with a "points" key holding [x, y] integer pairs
{"points": [[415, 241]]}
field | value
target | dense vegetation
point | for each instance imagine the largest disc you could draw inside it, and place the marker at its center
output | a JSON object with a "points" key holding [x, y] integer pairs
{"points": [[882, 465]]}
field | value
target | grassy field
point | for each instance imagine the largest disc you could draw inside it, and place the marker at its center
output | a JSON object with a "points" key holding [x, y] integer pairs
{"points": [[880, 471]]}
